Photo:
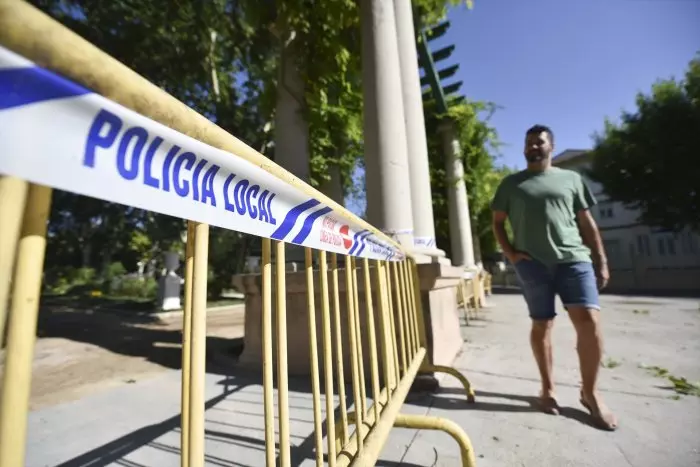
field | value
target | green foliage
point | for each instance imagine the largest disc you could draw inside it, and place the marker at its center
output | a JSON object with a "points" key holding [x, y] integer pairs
{"points": [[227, 253], [171, 45], [650, 160], [327, 48], [60, 280], [433, 11], [222, 59], [134, 287]]}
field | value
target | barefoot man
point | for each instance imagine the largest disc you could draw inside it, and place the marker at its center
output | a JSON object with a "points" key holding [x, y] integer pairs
{"points": [[556, 250]]}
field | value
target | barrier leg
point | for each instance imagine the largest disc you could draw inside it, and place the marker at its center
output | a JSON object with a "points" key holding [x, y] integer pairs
{"points": [[424, 422], [14, 395], [282, 366], [13, 194], [471, 397], [187, 350], [465, 300], [198, 349]]}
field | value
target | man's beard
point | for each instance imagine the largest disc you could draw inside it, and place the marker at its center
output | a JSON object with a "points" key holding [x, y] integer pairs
{"points": [[533, 157]]}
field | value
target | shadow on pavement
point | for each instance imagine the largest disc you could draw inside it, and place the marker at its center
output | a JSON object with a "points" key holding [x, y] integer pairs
{"points": [[523, 404], [115, 451], [120, 447], [135, 336]]}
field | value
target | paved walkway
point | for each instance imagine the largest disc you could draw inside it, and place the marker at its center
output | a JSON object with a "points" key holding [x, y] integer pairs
{"points": [[136, 424]]}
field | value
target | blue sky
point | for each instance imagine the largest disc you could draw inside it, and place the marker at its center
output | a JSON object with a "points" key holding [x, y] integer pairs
{"points": [[564, 63], [567, 64]]}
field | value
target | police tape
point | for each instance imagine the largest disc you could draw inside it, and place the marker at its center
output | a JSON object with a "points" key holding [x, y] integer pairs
{"points": [[57, 133]]}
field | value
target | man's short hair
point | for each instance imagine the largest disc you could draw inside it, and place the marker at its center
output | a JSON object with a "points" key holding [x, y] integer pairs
{"points": [[537, 129]]}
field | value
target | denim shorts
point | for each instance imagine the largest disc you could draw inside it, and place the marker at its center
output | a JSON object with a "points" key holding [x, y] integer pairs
{"points": [[575, 283]]}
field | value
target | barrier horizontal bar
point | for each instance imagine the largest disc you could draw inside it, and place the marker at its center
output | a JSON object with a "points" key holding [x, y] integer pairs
{"points": [[424, 422], [375, 439]]}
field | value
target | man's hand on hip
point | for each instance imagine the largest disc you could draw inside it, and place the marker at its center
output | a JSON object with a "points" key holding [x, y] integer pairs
{"points": [[517, 256], [602, 274]]}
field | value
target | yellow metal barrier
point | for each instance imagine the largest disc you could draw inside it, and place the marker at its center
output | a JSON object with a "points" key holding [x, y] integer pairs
{"points": [[468, 297], [487, 283], [394, 317]]}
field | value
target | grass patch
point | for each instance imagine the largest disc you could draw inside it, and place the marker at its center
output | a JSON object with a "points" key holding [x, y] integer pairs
{"points": [[610, 363], [656, 371], [680, 385], [684, 387]]}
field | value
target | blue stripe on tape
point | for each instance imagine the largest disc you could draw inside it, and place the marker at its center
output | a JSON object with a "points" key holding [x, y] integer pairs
{"points": [[24, 86], [355, 243], [308, 224], [291, 218], [362, 240]]}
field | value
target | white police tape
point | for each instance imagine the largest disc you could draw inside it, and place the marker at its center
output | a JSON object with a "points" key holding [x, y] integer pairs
{"points": [[56, 133]]}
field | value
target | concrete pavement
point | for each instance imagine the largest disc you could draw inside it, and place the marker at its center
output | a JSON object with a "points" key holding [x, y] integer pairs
{"points": [[137, 424]]}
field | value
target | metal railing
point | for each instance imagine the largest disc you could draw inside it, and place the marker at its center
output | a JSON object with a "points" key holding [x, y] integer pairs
{"points": [[468, 297], [394, 316]]}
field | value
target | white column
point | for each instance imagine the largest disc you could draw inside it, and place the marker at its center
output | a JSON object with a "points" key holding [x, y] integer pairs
{"points": [[421, 196], [389, 197], [458, 203]]}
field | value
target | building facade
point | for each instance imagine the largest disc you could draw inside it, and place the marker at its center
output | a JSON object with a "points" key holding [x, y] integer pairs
{"points": [[640, 257]]}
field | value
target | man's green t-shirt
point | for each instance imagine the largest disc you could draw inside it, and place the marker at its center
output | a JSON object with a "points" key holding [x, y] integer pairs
{"points": [[542, 208]]}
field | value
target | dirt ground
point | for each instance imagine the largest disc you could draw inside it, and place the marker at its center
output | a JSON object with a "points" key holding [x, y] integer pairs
{"points": [[79, 352]]}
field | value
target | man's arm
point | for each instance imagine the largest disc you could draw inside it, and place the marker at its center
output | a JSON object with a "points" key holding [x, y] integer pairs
{"points": [[591, 237], [498, 224]]}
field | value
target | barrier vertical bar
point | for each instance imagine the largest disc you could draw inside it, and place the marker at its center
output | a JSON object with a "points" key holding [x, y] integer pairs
{"points": [[327, 356], [282, 367], [391, 270], [401, 292], [313, 351], [13, 196], [465, 300], [419, 317], [414, 296], [345, 434], [477, 293], [386, 338], [199, 343], [268, 368], [395, 341], [372, 336], [354, 357], [26, 292], [410, 302], [360, 342], [403, 331], [187, 350]]}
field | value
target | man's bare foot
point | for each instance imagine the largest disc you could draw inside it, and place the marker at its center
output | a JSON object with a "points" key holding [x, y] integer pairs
{"points": [[548, 403], [602, 416]]}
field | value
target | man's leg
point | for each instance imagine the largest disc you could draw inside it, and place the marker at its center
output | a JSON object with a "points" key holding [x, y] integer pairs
{"points": [[538, 289], [541, 343], [577, 287]]}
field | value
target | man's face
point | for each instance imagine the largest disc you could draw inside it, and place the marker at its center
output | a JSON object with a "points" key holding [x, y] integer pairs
{"points": [[538, 147]]}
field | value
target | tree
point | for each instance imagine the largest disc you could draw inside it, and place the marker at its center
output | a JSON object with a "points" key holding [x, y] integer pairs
{"points": [[220, 58], [478, 142], [194, 50], [649, 161]]}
